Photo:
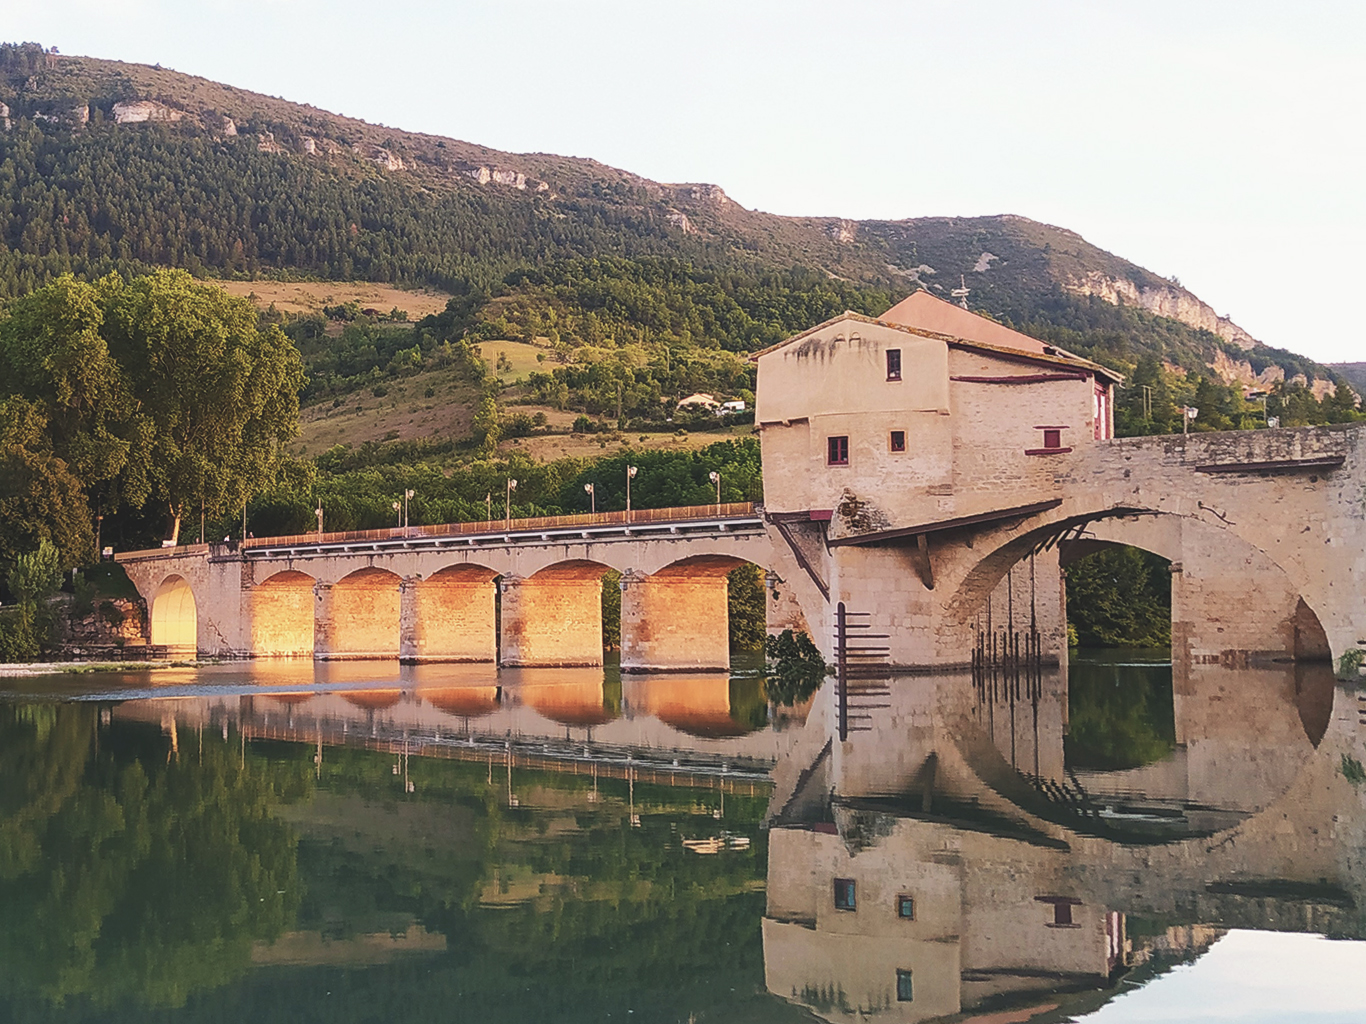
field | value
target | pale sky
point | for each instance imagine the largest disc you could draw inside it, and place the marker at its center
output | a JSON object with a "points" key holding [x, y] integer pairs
{"points": [[1221, 142], [1253, 978]]}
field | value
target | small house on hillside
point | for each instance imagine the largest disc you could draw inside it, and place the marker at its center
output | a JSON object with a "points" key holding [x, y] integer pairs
{"points": [[925, 415]]}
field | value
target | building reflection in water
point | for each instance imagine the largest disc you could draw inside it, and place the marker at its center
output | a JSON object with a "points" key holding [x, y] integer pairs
{"points": [[967, 855]]}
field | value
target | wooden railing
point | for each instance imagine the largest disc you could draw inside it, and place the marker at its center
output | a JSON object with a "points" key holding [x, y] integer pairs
{"points": [[636, 517]]}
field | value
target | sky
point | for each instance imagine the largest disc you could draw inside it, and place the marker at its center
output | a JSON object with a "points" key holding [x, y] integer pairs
{"points": [[1253, 978], [1217, 142]]}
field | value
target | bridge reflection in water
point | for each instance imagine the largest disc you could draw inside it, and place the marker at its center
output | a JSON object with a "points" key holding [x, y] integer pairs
{"points": [[971, 852], [712, 725]]}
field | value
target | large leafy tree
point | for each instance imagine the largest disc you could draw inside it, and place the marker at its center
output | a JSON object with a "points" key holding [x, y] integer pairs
{"points": [[161, 388], [221, 390]]}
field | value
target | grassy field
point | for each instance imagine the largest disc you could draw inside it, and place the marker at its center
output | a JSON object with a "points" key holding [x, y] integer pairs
{"points": [[521, 355], [404, 411], [312, 296], [547, 448]]}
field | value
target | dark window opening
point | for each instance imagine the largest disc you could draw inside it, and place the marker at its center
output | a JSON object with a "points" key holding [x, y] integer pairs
{"points": [[844, 894], [894, 364], [1062, 910], [905, 907], [837, 451], [904, 991], [1052, 438], [898, 440]]}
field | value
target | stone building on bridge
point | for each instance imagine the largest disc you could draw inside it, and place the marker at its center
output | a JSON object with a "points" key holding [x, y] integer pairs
{"points": [[935, 470]]}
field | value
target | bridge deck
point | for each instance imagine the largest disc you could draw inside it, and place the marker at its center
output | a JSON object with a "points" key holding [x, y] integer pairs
{"points": [[599, 525]]}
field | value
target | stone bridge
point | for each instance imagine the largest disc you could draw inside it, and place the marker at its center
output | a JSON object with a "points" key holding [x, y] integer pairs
{"points": [[524, 592], [1265, 531]]}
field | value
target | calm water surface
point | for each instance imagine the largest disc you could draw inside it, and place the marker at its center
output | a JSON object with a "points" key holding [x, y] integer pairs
{"points": [[360, 842]]}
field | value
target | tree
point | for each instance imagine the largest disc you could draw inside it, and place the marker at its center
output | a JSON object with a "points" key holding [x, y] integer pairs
{"points": [[221, 391], [53, 352], [41, 501]]}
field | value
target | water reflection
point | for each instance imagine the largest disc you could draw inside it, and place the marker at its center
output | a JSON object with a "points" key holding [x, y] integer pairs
{"points": [[1025, 851], [345, 842]]}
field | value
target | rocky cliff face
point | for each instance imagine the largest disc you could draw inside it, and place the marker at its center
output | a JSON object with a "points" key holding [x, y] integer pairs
{"points": [[1172, 301]]}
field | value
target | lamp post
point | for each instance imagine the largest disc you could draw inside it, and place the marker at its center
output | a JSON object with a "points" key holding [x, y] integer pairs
{"points": [[715, 478], [507, 500], [407, 495], [1188, 413], [488, 507], [319, 513], [631, 471], [592, 498], [397, 506]]}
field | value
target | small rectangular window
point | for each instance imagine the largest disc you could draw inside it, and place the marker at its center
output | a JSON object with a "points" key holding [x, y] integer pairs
{"points": [[904, 992], [898, 440], [905, 907], [844, 894], [894, 364], [1052, 438], [837, 451], [1062, 913]]}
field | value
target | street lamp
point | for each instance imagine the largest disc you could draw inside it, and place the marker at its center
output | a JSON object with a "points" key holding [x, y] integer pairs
{"points": [[631, 471], [407, 495], [592, 498], [1187, 414], [397, 506], [507, 500], [715, 478], [319, 513]]}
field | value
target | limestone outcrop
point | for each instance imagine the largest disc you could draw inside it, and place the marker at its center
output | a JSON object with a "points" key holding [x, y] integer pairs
{"points": [[1174, 302], [139, 111]]}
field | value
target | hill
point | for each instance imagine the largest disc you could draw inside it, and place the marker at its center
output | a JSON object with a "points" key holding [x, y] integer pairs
{"points": [[114, 165]]}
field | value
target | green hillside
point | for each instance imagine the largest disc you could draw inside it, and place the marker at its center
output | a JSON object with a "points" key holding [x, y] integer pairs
{"points": [[229, 183]]}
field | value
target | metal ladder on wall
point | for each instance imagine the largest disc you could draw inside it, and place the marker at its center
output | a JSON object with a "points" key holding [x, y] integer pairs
{"points": [[862, 671]]}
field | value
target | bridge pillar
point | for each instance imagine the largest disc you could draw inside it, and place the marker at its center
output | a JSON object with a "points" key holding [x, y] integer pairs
{"points": [[324, 619], [442, 619], [551, 622], [674, 623]]}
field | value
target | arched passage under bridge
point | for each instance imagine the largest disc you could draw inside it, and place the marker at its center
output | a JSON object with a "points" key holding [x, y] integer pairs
{"points": [[175, 617]]}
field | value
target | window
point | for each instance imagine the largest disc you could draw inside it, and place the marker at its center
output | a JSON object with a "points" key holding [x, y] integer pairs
{"points": [[837, 451], [904, 992], [898, 440], [844, 894], [1062, 910], [894, 364], [1052, 438], [905, 907]]}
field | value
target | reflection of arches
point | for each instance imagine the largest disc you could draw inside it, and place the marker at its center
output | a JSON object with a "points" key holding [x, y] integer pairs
{"points": [[463, 701], [577, 697], [365, 615], [373, 700], [699, 705], [175, 620], [282, 616]]}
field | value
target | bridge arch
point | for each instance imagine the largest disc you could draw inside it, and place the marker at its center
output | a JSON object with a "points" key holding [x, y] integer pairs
{"points": [[175, 616], [358, 616], [450, 616], [282, 616], [1232, 603]]}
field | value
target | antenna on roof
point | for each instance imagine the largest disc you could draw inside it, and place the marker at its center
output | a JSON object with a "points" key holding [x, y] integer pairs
{"points": [[961, 292]]}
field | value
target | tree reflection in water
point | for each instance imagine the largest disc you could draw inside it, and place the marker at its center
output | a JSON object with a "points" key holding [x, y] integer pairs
{"points": [[128, 872], [1120, 711]]}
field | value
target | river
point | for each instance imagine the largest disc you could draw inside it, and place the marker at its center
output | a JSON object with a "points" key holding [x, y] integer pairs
{"points": [[275, 842]]}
